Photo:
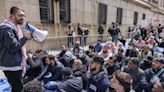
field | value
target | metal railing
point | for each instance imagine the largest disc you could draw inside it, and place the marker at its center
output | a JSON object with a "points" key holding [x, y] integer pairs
{"points": [[52, 43], [55, 43]]}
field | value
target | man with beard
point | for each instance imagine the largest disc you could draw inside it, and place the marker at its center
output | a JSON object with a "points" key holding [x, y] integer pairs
{"points": [[98, 81], [52, 70], [12, 48], [153, 75], [105, 53], [133, 69], [69, 83], [111, 66]]}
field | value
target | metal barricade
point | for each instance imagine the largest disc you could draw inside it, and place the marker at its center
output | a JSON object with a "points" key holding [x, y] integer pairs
{"points": [[55, 43]]}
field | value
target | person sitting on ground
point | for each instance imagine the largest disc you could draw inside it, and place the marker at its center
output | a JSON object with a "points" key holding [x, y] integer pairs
{"points": [[98, 81], [98, 46], [120, 57], [76, 48], [34, 64], [121, 82], [132, 51], [146, 64], [61, 54], [151, 42], [145, 51], [140, 43], [79, 70], [68, 84], [52, 70], [111, 45], [68, 59], [91, 52], [111, 66], [123, 40], [153, 75], [105, 53], [83, 57], [136, 73]]}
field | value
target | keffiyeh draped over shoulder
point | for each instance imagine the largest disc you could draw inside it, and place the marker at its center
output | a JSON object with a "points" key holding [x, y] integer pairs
{"points": [[19, 34]]}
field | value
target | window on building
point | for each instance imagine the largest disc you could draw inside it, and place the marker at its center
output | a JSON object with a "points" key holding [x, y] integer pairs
{"points": [[65, 11], [119, 15], [102, 13], [143, 16], [135, 18], [46, 11]]}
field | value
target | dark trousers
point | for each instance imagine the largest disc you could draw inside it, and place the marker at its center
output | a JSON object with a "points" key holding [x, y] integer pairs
{"points": [[15, 80], [101, 37], [85, 40], [70, 41]]}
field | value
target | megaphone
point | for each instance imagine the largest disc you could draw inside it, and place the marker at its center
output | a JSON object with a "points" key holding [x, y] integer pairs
{"points": [[38, 35]]}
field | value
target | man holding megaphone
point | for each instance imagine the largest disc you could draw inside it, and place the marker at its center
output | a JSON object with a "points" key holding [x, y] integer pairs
{"points": [[12, 48]]}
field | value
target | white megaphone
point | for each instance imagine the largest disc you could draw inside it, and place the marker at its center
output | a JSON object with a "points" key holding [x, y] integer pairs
{"points": [[38, 35]]}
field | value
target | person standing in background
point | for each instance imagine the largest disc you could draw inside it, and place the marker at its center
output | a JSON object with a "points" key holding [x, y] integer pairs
{"points": [[117, 33], [112, 32], [85, 34], [70, 32], [79, 32], [101, 32]]}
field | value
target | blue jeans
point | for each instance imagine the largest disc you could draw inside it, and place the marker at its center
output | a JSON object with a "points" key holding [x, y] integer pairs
{"points": [[114, 39]]}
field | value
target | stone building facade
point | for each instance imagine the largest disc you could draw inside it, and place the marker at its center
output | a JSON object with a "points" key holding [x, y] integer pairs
{"points": [[54, 15]]}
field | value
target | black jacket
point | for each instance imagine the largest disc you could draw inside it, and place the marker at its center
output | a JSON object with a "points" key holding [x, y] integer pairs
{"points": [[10, 48], [70, 84], [112, 30], [100, 30], [98, 82]]}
